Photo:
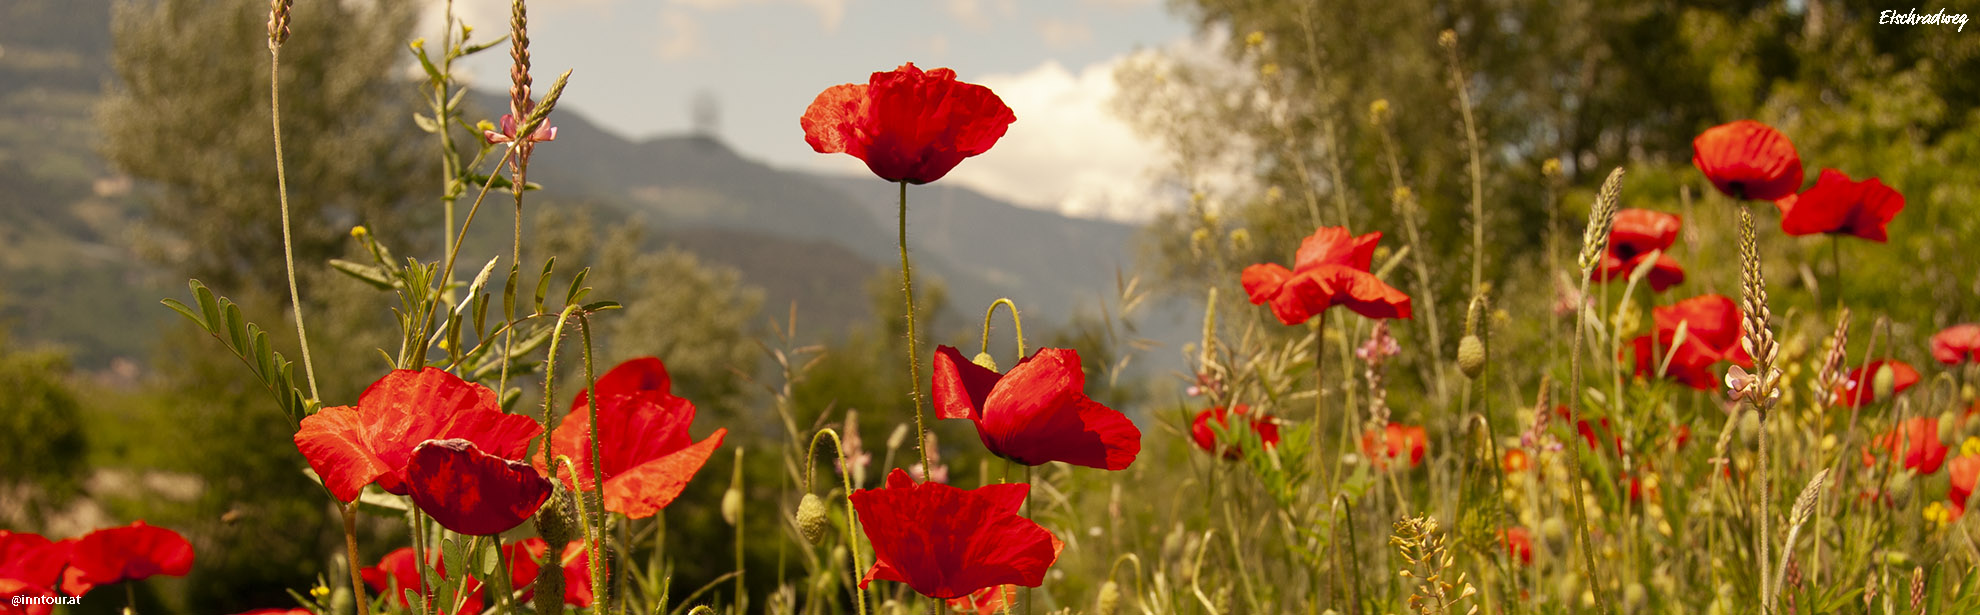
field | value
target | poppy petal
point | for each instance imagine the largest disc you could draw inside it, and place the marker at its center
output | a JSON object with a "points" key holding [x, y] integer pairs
{"points": [[1039, 413], [129, 553], [1956, 343], [830, 120], [1361, 292], [648, 487], [641, 375], [960, 385], [946, 542], [471, 492], [32, 558], [1748, 160]]}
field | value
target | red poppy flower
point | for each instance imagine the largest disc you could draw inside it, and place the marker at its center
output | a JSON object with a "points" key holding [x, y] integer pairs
{"points": [[907, 125], [471, 492], [1839, 206], [1712, 334], [130, 553], [524, 562], [352, 446], [1036, 413], [398, 571], [1956, 344], [648, 457], [1858, 387], [946, 542], [1516, 460], [1396, 440], [15, 596], [33, 559], [1519, 544], [1748, 160], [1637, 233], [986, 601], [1964, 472], [1331, 268], [1206, 437], [1915, 442]]}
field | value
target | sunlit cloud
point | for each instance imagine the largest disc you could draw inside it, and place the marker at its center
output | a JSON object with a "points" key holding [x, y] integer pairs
{"points": [[1061, 34]]}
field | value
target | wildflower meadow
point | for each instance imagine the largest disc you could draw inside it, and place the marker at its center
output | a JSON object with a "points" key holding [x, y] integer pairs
{"points": [[1491, 315]]}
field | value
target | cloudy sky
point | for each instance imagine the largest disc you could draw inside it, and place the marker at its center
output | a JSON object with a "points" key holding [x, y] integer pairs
{"points": [[640, 64]]}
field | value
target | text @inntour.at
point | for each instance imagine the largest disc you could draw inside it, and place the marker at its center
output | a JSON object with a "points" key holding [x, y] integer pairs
{"points": [[45, 600], [1914, 18]]}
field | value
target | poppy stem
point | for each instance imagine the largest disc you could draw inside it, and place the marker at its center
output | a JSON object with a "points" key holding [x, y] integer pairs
{"points": [[1027, 514], [351, 555], [1016, 323], [598, 584], [914, 364], [1319, 387], [1835, 262], [130, 598]]}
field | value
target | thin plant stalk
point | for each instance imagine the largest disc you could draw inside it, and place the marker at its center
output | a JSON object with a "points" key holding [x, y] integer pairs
{"points": [[914, 363], [351, 556], [281, 15], [1594, 241], [845, 481], [598, 583]]}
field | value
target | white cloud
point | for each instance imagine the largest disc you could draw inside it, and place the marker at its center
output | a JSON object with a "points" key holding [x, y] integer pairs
{"points": [[969, 13], [830, 12], [1120, 4], [1062, 34], [1068, 152], [679, 35]]}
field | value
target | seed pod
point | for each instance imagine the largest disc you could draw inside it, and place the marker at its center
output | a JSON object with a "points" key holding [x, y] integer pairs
{"points": [[811, 518], [732, 503], [1471, 356], [985, 361], [1885, 381], [1947, 431]]}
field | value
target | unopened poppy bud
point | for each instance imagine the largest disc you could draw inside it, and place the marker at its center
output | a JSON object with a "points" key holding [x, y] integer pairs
{"points": [[1884, 382], [1471, 356], [1553, 528], [1900, 488], [1947, 432], [1110, 599], [811, 518], [550, 521], [732, 506], [985, 361]]}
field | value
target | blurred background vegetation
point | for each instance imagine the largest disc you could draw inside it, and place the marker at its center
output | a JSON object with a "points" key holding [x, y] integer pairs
{"points": [[135, 154]]}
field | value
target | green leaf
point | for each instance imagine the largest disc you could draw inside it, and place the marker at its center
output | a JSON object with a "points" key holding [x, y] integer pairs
{"points": [[184, 311], [543, 283], [454, 102], [432, 72], [600, 306], [509, 293], [478, 48], [577, 289], [426, 123], [369, 274]]}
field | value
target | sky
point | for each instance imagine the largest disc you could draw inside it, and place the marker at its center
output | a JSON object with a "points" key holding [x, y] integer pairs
{"points": [[640, 65]]}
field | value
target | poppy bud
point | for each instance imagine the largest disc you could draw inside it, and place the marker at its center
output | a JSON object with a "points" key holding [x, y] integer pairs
{"points": [[1885, 382], [1900, 488], [732, 505], [811, 518], [1471, 356], [551, 522], [1946, 428], [1110, 599], [985, 361]]}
